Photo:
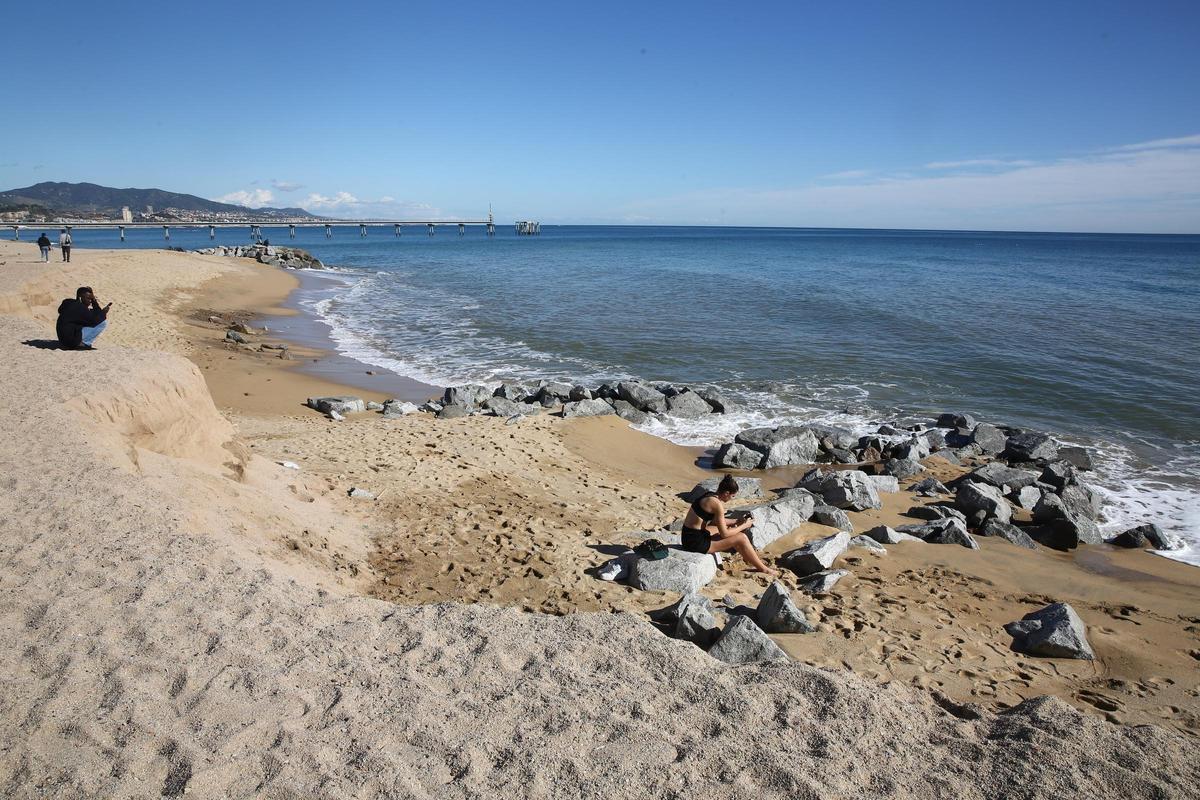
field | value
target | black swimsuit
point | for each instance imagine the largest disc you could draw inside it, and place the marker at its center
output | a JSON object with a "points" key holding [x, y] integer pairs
{"points": [[698, 540]]}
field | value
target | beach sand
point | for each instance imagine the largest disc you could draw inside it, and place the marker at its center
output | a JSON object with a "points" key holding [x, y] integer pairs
{"points": [[181, 612]]}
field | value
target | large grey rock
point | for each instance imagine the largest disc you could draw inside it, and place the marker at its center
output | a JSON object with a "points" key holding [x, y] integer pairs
{"points": [[503, 407], [1011, 533], [1026, 498], [716, 401], [511, 391], [344, 404], [235, 336], [832, 438], [680, 571], [916, 448], [695, 621], [587, 408], [761, 439], [626, 411], [1066, 532], [743, 642], [801, 448], [552, 393], [1003, 477], [779, 517], [1031, 446], [579, 392], [952, 420], [748, 488], [929, 487], [935, 439], [902, 467], [1078, 501], [470, 395], [973, 498], [822, 582], [642, 396], [867, 543], [832, 517], [991, 440], [689, 405], [776, 613], [1059, 474], [1055, 631], [885, 483], [454, 411], [885, 535], [934, 512], [1079, 457], [949, 456], [737, 456], [816, 555], [395, 408], [1147, 535], [950, 531], [848, 489]]}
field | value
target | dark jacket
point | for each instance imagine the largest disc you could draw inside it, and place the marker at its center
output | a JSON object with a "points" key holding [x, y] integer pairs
{"points": [[73, 317], [43, 241]]}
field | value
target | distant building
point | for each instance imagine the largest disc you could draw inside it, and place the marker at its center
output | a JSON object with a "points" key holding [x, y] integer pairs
{"points": [[126, 214], [149, 211]]}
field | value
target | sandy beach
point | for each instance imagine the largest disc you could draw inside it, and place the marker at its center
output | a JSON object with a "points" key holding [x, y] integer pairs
{"points": [[183, 613]]}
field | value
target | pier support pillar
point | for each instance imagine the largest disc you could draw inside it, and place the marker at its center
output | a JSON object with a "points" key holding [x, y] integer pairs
{"points": [[328, 231], [291, 231], [397, 231], [166, 233], [431, 229], [491, 229], [121, 228], [362, 231], [462, 229]]}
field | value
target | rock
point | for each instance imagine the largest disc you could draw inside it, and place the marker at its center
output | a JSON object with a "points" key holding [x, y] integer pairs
{"points": [[743, 642], [931, 512], [361, 494], [991, 440], [748, 489], [776, 613], [782, 446], [868, 543], [848, 489], [641, 396], [694, 620], [580, 393], [885, 483], [373, 406], [779, 517], [1066, 533], [215, 320], [587, 408], [1048, 507], [503, 407], [822, 582], [552, 393], [935, 439], [885, 535], [980, 497], [234, 336], [511, 391], [1079, 457], [470, 395], [680, 571], [1079, 501], [950, 420], [335, 416], [243, 328], [627, 412], [902, 467], [737, 456], [949, 531], [716, 401], [949, 456], [1059, 474], [833, 438], [1003, 477], [431, 407], [832, 517], [344, 404], [454, 412], [1036, 447], [929, 487], [869, 455], [1026, 498], [914, 449], [688, 405], [816, 555], [1055, 631], [394, 408], [1148, 535], [1011, 533]]}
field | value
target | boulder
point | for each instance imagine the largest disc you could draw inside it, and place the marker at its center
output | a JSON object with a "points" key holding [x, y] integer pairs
{"points": [[454, 412], [511, 391], [431, 406], [344, 404], [373, 406], [867, 543], [902, 467], [972, 498], [822, 582], [935, 439], [1079, 457], [469, 395], [1148, 535], [1011, 533], [779, 517], [848, 489], [951, 420], [914, 449], [929, 487], [761, 439], [1030, 446], [580, 393], [832, 517], [782, 446], [949, 456], [1003, 477], [1066, 533], [950, 531], [553, 393], [885, 483], [816, 555], [693, 620], [642, 396], [234, 336], [736, 456], [931, 513], [680, 571], [1026, 498], [748, 489], [743, 642], [989, 438], [627, 412], [395, 408], [587, 408], [688, 405], [1079, 501], [503, 407], [1059, 474], [1055, 631], [716, 401], [776, 613], [885, 535]]}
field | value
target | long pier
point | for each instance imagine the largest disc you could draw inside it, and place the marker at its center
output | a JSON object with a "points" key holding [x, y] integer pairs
{"points": [[255, 226]]}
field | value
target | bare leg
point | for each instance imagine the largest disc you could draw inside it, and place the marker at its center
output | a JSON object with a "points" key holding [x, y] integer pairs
{"points": [[741, 543]]}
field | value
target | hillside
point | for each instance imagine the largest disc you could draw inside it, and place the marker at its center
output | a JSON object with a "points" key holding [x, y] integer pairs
{"points": [[89, 199]]}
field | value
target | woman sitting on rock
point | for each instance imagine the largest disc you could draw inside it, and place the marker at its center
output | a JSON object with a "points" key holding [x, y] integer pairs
{"points": [[706, 529]]}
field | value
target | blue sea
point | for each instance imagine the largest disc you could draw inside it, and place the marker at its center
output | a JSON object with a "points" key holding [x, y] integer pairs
{"points": [[1095, 338]]}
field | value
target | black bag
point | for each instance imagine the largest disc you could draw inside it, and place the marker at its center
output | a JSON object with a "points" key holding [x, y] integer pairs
{"points": [[652, 549]]}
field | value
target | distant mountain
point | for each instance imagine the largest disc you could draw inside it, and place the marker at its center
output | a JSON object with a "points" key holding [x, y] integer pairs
{"points": [[89, 199]]}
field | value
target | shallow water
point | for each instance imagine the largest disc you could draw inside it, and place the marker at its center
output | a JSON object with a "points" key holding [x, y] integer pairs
{"points": [[1095, 338]]}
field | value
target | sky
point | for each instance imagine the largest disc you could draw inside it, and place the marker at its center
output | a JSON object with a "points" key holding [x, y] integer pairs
{"points": [[986, 116]]}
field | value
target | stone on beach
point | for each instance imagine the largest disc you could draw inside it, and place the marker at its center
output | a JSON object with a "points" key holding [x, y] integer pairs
{"points": [[716, 401], [867, 543], [1079, 457], [691, 619], [1030, 446], [952, 420], [587, 408], [361, 494], [981, 502], [737, 456], [800, 448], [816, 555], [681, 571], [743, 642], [470, 395], [1055, 631], [991, 440], [342, 405], [822, 582], [503, 407], [776, 613], [1003, 477], [885, 483], [235, 336], [929, 487], [847, 489], [902, 468], [944, 531], [454, 411], [642, 396], [832, 517], [511, 391], [688, 405], [1148, 535], [1011, 533], [779, 517], [628, 412], [886, 535], [748, 489]]}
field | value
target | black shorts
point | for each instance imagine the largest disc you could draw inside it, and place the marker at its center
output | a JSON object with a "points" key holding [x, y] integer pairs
{"points": [[695, 540]]}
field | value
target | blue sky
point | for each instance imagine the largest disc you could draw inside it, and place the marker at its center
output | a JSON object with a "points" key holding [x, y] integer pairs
{"points": [[1030, 116]]}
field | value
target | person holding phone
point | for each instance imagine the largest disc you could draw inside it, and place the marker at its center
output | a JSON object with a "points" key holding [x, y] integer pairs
{"points": [[81, 320], [707, 529]]}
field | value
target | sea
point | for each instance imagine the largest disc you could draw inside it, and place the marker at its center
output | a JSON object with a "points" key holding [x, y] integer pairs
{"points": [[1094, 338]]}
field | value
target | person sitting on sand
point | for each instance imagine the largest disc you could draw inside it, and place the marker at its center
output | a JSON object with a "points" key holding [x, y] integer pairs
{"points": [[706, 529], [81, 320]]}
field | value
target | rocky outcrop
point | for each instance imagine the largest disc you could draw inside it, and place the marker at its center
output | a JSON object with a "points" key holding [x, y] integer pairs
{"points": [[1148, 535], [287, 257]]}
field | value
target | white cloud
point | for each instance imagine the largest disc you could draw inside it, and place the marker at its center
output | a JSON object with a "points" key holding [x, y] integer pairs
{"points": [[253, 198], [977, 162], [286, 186], [847, 175], [339, 200], [1130, 189], [346, 205]]}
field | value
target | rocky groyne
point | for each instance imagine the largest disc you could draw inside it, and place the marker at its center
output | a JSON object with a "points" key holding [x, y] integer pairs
{"points": [[286, 257]]}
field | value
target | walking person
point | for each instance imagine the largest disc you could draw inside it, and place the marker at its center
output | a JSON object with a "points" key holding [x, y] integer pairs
{"points": [[44, 243], [64, 242]]}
